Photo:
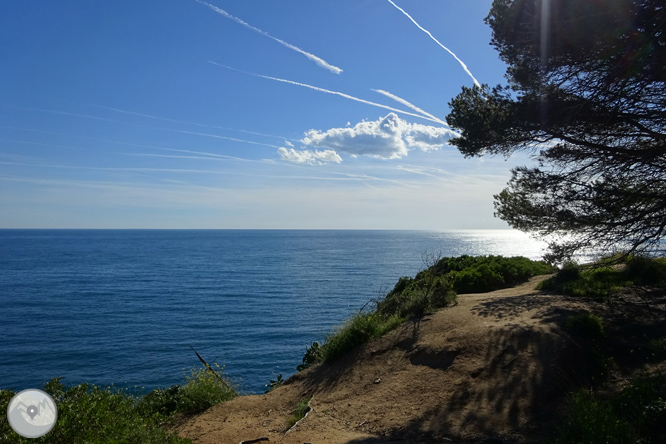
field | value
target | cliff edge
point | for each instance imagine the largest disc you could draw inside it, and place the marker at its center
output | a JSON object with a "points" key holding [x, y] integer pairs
{"points": [[493, 368]]}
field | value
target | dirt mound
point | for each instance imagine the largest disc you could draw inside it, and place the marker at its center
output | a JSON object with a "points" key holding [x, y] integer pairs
{"points": [[491, 367]]}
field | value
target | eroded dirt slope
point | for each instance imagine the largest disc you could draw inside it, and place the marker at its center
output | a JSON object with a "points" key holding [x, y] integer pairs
{"points": [[491, 367]]}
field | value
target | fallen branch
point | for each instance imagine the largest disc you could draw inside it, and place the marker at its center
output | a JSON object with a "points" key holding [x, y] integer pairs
{"points": [[253, 441]]}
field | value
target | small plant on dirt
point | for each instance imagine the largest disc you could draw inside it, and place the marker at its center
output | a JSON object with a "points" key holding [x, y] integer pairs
{"points": [[274, 383], [312, 356], [299, 412]]}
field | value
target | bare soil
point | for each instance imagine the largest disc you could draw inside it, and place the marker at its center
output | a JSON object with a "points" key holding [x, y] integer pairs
{"points": [[494, 368]]}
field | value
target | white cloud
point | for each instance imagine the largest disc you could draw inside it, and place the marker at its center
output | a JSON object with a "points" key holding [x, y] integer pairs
{"points": [[389, 137], [309, 156]]}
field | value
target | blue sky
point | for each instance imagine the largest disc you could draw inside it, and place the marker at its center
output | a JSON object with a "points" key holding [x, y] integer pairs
{"points": [[252, 114]]}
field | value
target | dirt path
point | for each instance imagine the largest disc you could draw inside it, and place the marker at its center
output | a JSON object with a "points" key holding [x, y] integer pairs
{"points": [[488, 367]]}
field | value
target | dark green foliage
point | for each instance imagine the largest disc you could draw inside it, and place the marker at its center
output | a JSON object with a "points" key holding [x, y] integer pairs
{"points": [[312, 355], [356, 331], [481, 274], [488, 273], [431, 289], [87, 413], [415, 297], [586, 96], [636, 415], [587, 324], [646, 271], [590, 329], [601, 282], [202, 390], [275, 383], [163, 401]]}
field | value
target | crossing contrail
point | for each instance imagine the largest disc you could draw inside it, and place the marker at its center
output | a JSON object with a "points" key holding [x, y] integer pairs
{"points": [[410, 105], [328, 91], [436, 41], [318, 60], [149, 116]]}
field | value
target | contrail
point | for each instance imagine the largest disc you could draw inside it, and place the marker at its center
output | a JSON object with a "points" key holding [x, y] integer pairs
{"points": [[319, 61], [316, 88], [348, 177], [137, 125], [218, 137], [165, 119], [410, 105], [436, 41]]}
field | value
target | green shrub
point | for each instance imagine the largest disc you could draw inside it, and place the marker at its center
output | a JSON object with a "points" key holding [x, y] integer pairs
{"points": [[588, 324], [275, 383], [312, 355], [591, 330], [87, 413], [635, 415], [203, 389], [356, 331], [415, 297], [431, 289], [646, 271], [601, 281], [488, 273], [591, 421]]}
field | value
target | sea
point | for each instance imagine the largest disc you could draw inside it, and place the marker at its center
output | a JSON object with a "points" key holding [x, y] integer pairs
{"points": [[127, 307]]}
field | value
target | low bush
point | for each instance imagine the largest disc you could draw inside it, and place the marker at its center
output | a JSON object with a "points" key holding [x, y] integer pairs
{"points": [[635, 415], [480, 274], [587, 324], [431, 289], [356, 331], [415, 297], [88, 413], [601, 281]]}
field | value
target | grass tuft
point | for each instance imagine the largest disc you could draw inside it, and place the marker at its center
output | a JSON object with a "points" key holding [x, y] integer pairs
{"points": [[302, 409]]}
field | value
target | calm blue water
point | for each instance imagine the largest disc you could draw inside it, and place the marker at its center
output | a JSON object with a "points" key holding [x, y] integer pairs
{"points": [[123, 307]]}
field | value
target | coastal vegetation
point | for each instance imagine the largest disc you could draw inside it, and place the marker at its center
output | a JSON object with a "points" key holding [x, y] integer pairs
{"points": [[607, 408], [604, 278], [88, 413], [433, 288]]}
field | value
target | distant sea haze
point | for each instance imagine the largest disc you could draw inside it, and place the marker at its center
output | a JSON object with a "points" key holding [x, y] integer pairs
{"points": [[123, 307]]}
